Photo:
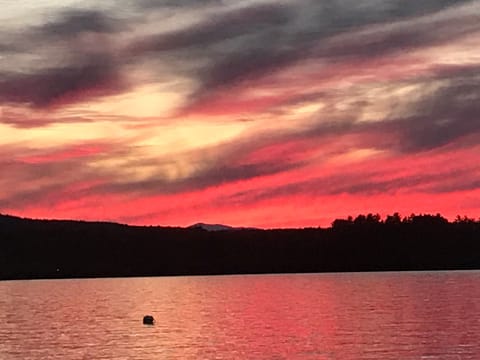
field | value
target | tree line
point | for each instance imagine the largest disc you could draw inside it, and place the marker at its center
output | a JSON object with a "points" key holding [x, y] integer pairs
{"points": [[32, 249]]}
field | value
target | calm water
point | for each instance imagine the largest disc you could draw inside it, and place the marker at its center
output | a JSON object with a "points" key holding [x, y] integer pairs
{"points": [[432, 315]]}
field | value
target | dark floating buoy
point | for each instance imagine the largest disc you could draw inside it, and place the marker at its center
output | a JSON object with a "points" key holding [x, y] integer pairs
{"points": [[148, 320]]}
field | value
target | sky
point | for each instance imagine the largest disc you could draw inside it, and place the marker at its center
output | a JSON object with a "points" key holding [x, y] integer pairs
{"points": [[263, 113]]}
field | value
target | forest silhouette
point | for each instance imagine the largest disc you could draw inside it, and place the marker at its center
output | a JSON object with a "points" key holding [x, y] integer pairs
{"points": [[33, 249]]}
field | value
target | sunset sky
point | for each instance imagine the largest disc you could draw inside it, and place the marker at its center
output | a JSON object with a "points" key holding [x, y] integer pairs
{"points": [[285, 113]]}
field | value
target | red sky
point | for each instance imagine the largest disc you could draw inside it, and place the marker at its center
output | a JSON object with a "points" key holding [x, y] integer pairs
{"points": [[254, 113]]}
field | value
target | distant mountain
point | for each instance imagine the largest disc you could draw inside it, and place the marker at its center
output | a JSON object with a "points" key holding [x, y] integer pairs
{"points": [[212, 227], [218, 227]]}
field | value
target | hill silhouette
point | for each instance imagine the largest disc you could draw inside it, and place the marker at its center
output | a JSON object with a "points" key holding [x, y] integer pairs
{"points": [[32, 249]]}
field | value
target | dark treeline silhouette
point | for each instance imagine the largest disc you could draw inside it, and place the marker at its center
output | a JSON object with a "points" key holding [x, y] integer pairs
{"points": [[32, 249]]}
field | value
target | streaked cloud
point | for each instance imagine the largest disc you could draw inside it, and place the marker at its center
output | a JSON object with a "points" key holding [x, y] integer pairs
{"points": [[176, 112]]}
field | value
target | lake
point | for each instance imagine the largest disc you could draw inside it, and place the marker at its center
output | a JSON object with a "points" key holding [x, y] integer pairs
{"points": [[410, 315]]}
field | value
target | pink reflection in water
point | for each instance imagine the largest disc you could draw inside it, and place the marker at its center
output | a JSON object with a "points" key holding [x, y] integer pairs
{"points": [[329, 316]]}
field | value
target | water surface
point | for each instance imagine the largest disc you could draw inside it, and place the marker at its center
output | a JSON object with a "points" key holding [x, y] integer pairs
{"points": [[412, 315]]}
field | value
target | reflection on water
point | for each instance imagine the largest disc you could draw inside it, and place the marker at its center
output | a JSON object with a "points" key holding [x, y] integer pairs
{"points": [[431, 315]]}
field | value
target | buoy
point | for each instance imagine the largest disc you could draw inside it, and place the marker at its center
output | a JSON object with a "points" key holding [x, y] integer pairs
{"points": [[148, 320]]}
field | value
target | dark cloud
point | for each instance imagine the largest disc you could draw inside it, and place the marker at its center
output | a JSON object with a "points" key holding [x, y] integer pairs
{"points": [[397, 39], [156, 4], [73, 22], [451, 112], [419, 8], [369, 184], [67, 68], [324, 31], [225, 172], [228, 25], [45, 88], [231, 45], [372, 181], [7, 47], [244, 66], [464, 183]]}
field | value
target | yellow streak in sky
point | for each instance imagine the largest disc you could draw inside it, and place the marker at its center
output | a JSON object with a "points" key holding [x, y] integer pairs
{"points": [[147, 101], [61, 134], [462, 52], [190, 135], [308, 109], [172, 151], [355, 156]]}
